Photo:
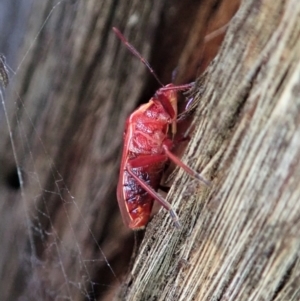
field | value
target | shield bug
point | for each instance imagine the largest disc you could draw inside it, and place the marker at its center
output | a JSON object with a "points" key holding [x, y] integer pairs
{"points": [[148, 141]]}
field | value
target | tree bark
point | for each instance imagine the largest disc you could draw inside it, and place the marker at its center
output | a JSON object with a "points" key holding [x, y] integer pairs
{"points": [[240, 238], [60, 230]]}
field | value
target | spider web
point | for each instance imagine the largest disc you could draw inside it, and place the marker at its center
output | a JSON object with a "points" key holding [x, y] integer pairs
{"points": [[40, 259]]}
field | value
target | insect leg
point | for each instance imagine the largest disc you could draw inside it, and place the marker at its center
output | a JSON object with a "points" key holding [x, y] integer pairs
{"points": [[189, 170], [178, 87], [155, 195]]}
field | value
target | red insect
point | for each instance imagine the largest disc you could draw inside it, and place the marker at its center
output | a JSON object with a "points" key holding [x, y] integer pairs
{"points": [[146, 151]]}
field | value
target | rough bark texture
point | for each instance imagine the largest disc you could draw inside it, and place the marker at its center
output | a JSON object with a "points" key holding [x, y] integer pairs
{"points": [[61, 234], [240, 238]]}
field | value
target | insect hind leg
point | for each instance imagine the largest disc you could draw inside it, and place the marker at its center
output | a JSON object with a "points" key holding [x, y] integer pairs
{"points": [[155, 195]]}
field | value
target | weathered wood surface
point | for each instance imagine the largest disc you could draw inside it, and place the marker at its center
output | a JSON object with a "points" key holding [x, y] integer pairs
{"points": [[240, 239], [61, 236]]}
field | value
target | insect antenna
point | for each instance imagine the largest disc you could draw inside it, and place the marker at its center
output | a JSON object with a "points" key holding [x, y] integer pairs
{"points": [[136, 53]]}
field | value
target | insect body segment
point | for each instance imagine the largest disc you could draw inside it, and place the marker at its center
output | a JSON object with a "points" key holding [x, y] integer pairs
{"points": [[144, 157], [147, 148]]}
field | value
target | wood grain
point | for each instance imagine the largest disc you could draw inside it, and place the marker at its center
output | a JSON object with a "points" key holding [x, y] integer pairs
{"points": [[240, 239]]}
